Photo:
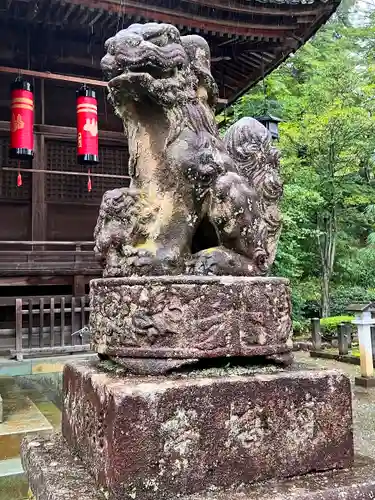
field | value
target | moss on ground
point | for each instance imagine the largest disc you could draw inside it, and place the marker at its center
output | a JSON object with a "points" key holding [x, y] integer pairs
{"points": [[13, 487]]}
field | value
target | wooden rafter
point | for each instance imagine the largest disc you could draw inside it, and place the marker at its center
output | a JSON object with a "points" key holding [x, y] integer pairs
{"points": [[252, 9], [256, 36], [197, 22]]}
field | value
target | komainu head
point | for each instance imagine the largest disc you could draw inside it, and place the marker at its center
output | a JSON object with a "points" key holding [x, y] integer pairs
{"points": [[153, 60]]}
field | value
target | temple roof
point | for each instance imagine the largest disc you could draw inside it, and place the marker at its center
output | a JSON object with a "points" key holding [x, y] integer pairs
{"points": [[248, 38]]}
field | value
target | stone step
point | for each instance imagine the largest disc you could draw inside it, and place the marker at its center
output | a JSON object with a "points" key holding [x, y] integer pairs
{"points": [[55, 474], [11, 467], [21, 416]]}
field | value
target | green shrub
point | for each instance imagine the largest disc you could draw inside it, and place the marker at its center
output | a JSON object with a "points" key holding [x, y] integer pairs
{"points": [[330, 324], [306, 299], [301, 327], [304, 293], [342, 296]]}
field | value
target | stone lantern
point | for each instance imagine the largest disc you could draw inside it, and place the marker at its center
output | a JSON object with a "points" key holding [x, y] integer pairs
{"points": [[271, 123], [364, 321]]}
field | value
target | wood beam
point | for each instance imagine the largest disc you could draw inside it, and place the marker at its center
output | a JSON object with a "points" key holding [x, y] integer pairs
{"points": [[82, 62], [255, 46], [69, 11], [244, 61], [67, 133], [234, 69], [96, 18], [85, 17], [196, 22], [262, 58], [65, 78], [64, 172], [249, 59], [53, 76]]}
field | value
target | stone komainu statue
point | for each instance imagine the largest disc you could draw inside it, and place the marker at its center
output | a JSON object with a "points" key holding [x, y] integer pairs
{"points": [[197, 203]]}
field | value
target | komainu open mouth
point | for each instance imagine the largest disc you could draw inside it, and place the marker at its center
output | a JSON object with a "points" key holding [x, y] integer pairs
{"points": [[156, 72]]}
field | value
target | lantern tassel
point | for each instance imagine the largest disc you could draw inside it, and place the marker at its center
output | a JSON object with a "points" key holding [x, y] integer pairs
{"points": [[19, 177], [89, 184]]}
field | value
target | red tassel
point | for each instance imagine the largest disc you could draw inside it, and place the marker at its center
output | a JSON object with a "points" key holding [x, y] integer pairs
{"points": [[19, 177], [89, 185]]}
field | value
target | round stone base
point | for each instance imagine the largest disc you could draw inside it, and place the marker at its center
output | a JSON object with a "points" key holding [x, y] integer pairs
{"points": [[190, 317]]}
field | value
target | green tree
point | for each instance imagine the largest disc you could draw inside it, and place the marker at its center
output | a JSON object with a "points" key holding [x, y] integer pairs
{"points": [[324, 94]]}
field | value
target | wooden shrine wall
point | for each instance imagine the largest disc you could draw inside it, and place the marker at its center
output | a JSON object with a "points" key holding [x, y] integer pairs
{"points": [[72, 210], [57, 207], [15, 203]]}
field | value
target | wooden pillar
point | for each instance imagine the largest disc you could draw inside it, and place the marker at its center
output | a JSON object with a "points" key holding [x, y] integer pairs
{"points": [[79, 286], [19, 355], [78, 281], [38, 200]]}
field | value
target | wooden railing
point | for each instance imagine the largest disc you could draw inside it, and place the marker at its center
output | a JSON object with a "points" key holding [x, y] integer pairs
{"points": [[71, 257], [45, 325]]}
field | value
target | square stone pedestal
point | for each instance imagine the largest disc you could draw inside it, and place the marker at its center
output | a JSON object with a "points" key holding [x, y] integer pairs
{"points": [[56, 474], [155, 438]]}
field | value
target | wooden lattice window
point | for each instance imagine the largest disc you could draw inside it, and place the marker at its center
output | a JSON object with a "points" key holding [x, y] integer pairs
{"points": [[8, 179], [61, 156]]}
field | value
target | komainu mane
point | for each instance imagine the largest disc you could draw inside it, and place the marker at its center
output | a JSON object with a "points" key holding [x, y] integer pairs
{"points": [[197, 203]]}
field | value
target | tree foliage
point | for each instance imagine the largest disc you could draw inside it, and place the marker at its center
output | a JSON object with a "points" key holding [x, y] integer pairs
{"points": [[325, 95]]}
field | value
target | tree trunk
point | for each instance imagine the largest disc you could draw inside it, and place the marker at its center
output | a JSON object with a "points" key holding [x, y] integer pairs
{"points": [[327, 247], [325, 295]]}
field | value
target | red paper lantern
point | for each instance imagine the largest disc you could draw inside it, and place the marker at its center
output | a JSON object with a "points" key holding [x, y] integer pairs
{"points": [[87, 126], [22, 120]]}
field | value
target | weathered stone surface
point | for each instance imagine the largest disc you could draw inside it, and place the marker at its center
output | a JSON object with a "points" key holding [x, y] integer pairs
{"points": [[188, 317], [152, 366], [156, 438], [191, 189], [54, 473], [358, 483], [68, 479]]}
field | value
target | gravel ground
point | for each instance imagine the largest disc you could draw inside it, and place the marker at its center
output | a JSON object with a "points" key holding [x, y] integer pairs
{"points": [[363, 403]]}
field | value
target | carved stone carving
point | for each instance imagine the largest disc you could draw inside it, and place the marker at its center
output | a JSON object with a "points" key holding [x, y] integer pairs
{"points": [[189, 317], [198, 204]]}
